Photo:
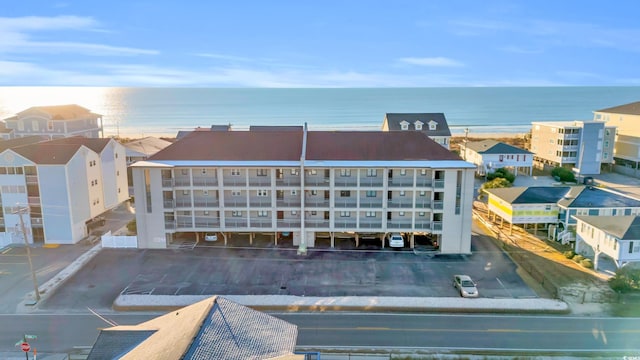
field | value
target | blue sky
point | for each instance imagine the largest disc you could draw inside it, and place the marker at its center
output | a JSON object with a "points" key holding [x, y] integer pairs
{"points": [[319, 43]]}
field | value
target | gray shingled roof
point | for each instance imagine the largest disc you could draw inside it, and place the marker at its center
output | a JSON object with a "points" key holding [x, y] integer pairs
{"points": [[530, 195], [442, 129], [495, 147], [232, 331], [627, 109], [11, 143], [114, 344], [594, 197], [621, 227]]}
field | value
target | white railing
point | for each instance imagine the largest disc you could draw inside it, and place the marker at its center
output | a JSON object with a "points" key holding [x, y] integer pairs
{"points": [[112, 241]]}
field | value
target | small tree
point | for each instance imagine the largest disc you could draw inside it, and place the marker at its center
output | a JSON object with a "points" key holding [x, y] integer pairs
{"points": [[626, 279], [502, 173], [496, 183], [132, 227], [563, 174]]}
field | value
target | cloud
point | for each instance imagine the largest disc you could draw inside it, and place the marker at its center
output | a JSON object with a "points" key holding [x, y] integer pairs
{"points": [[431, 61], [17, 37], [223, 57]]}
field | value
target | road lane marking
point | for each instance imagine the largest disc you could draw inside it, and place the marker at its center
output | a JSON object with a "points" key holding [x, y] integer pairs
{"points": [[550, 331], [373, 328]]}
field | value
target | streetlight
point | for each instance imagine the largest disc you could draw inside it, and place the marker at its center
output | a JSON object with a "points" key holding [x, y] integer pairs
{"points": [[26, 243]]}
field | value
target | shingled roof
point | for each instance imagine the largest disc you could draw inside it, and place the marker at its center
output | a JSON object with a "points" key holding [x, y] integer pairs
{"points": [[530, 195], [60, 112], [626, 109], [494, 147], [621, 227], [215, 328], [393, 121], [594, 197]]}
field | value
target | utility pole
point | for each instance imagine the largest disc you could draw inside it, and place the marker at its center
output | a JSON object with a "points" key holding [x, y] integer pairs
{"points": [[26, 243], [466, 134]]}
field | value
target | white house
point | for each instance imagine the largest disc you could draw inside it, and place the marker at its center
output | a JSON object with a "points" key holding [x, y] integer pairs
{"points": [[489, 155], [434, 125], [55, 122], [617, 237], [59, 186], [305, 183]]}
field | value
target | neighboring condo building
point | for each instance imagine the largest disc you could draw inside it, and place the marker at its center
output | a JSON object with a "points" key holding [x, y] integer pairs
{"points": [[583, 146], [434, 125], [55, 122], [303, 183], [626, 119], [59, 186]]}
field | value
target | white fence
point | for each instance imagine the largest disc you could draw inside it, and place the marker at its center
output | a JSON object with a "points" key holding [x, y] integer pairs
{"points": [[117, 241]]}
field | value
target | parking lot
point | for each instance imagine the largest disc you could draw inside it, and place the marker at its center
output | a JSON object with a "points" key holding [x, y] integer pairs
{"points": [[275, 271]]}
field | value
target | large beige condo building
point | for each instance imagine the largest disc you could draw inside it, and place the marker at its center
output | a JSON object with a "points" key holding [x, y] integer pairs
{"points": [[304, 184], [626, 118]]}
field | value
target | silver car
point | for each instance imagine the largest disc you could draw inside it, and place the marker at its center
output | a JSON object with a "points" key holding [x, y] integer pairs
{"points": [[465, 286]]}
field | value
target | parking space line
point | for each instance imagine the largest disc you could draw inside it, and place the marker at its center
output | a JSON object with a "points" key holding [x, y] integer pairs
{"points": [[505, 289]]}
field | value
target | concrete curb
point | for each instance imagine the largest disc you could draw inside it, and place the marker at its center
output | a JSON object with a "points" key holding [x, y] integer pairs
{"points": [[350, 303]]}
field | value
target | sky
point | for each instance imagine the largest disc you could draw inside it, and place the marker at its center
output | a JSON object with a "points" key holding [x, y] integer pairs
{"points": [[344, 43]]}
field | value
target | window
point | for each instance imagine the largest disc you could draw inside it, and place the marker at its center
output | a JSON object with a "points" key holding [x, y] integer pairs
{"points": [[236, 213], [314, 192], [345, 193], [20, 126], [630, 247], [263, 213], [423, 172], [421, 213], [263, 193], [345, 213], [294, 212], [402, 193], [370, 214], [372, 172], [205, 192], [423, 193], [371, 193], [262, 172], [418, 125], [345, 172], [294, 192], [403, 172], [50, 126], [235, 172], [204, 171], [404, 125], [235, 193], [183, 171], [295, 172], [206, 212], [314, 213], [118, 173], [313, 172], [432, 125], [401, 213], [185, 192]]}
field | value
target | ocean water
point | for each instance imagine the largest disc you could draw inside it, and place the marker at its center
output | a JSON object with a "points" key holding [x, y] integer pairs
{"points": [[136, 112]]}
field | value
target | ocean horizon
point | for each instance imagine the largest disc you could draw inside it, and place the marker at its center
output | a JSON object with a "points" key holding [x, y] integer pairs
{"points": [[139, 112]]}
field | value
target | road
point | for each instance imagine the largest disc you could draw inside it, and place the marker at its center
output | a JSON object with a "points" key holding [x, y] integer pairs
{"points": [[560, 334]]}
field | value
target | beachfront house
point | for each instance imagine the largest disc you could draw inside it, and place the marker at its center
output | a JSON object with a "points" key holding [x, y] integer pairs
{"points": [[617, 237], [434, 125], [56, 122], [5, 133], [582, 146], [309, 188], [489, 155], [526, 206], [214, 328], [58, 187], [626, 119]]}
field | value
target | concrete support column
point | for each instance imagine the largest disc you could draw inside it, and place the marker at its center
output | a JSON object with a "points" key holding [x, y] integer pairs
{"points": [[596, 257], [357, 240], [333, 239], [251, 238], [275, 242], [412, 243]]}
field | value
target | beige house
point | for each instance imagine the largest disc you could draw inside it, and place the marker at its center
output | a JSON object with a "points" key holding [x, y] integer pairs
{"points": [[626, 118], [56, 122], [582, 146]]}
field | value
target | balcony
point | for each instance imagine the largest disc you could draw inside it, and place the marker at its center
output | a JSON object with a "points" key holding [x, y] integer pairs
{"points": [[288, 202], [345, 224], [205, 181], [364, 224], [169, 203], [184, 202], [316, 223], [346, 203], [423, 204], [184, 222], [317, 181], [399, 224], [423, 225], [371, 181], [316, 203], [438, 184], [401, 183], [205, 202], [422, 182], [370, 203], [438, 205], [34, 200], [293, 181], [260, 223], [235, 181], [169, 225], [288, 223], [235, 222], [35, 221], [167, 182], [31, 179], [260, 181], [182, 181], [235, 203], [345, 181], [436, 226], [260, 202], [207, 222], [399, 204]]}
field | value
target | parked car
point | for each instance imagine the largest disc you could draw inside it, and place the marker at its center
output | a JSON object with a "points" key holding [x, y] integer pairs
{"points": [[210, 237], [465, 286], [396, 240]]}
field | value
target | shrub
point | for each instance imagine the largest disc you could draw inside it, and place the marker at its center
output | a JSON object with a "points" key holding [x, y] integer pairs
{"points": [[502, 173], [564, 174], [132, 227], [626, 279], [569, 254], [496, 183], [587, 263], [577, 258]]}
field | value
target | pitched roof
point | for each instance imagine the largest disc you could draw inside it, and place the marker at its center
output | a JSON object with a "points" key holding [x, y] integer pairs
{"points": [[374, 145], [275, 128], [530, 195], [46, 153], [95, 144], [621, 227], [215, 328], [627, 109], [594, 197], [11, 143], [145, 146], [60, 112], [442, 129], [279, 145], [494, 147]]}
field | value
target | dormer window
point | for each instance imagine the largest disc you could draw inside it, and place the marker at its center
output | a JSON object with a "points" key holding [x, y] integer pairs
{"points": [[404, 125], [418, 124], [433, 125]]}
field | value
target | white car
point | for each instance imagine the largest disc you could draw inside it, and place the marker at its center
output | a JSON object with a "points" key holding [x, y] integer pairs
{"points": [[396, 240], [465, 286], [210, 237]]}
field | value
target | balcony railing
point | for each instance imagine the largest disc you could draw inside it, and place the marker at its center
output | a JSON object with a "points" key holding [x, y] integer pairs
{"points": [[184, 222], [234, 181], [167, 182], [288, 182], [260, 202], [423, 225], [436, 226], [205, 181], [342, 181], [34, 200], [423, 204], [288, 223], [235, 203], [371, 181], [169, 225], [288, 202], [311, 223], [31, 179], [317, 181], [438, 205], [401, 183], [183, 202], [346, 203], [423, 182], [169, 203], [37, 221], [316, 203], [182, 182], [370, 224], [345, 224], [260, 181], [205, 202], [395, 224], [260, 223], [438, 184], [399, 204], [207, 222], [235, 222], [370, 204]]}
